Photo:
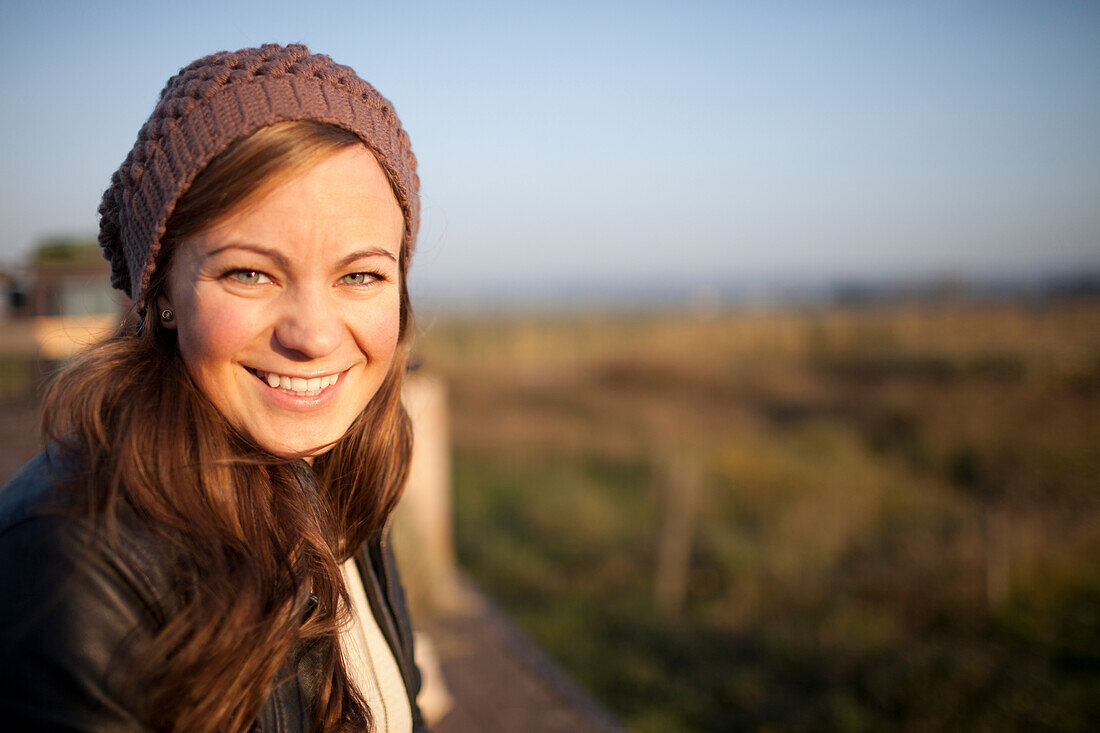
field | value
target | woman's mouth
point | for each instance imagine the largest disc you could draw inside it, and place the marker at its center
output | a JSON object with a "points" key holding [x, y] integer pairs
{"points": [[296, 386]]}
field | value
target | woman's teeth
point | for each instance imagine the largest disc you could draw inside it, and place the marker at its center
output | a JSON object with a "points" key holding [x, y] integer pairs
{"points": [[298, 386]]}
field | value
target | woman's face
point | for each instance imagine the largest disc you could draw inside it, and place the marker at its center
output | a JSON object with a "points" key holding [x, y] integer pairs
{"points": [[288, 311]]}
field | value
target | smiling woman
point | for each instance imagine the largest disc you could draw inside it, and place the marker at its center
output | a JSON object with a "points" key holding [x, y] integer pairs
{"points": [[299, 288], [201, 546]]}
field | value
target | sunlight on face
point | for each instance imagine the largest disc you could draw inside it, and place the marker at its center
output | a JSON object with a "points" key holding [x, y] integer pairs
{"points": [[288, 311]]}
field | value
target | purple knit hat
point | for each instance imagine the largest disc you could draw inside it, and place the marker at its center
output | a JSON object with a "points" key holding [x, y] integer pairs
{"points": [[219, 99]]}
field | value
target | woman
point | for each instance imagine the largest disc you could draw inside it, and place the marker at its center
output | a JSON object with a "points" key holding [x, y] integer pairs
{"points": [[201, 546]]}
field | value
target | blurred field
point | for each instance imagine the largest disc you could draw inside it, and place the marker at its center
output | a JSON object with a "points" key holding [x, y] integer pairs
{"points": [[795, 519]]}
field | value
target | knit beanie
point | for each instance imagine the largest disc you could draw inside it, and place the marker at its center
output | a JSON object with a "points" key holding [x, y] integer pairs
{"points": [[219, 99]]}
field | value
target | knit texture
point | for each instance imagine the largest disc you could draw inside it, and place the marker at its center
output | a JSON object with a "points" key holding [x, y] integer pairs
{"points": [[219, 99]]}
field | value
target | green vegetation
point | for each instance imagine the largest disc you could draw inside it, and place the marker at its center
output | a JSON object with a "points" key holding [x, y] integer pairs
{"points": [[15, 379], [892, 515], [68, 251]]}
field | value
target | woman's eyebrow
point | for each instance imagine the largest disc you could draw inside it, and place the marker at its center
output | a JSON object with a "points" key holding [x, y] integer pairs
{"points": [[364, 253], [273, 254], [281, 260]]}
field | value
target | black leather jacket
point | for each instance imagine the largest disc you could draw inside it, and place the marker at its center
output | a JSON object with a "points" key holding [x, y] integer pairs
{"points": [[74, 614]]}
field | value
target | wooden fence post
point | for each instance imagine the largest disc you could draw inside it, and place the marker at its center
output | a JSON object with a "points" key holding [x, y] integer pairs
{"points": [[679, 482], [423, 521]]}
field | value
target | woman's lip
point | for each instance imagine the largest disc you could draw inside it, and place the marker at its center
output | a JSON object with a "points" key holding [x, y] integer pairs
{"points": [[257, 371], [302, 398]]}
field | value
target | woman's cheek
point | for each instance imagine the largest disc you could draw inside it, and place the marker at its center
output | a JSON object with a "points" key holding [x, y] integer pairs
{"points": [[381, 330], [219, 328]]}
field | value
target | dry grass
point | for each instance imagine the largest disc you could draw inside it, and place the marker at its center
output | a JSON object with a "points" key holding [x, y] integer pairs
{"points": [[885, 496]]}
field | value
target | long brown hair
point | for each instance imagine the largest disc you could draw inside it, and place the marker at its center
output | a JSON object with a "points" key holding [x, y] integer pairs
{"points": [[249, 542]]}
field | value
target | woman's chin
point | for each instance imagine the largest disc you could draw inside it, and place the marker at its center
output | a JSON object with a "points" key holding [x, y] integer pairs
{"points": [[305, 447]]}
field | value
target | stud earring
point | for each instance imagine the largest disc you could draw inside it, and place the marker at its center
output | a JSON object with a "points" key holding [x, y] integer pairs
{"points": [[166, 315]]}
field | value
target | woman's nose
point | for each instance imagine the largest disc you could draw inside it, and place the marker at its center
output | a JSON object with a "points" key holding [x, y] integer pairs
{"points": [[308, 325]]}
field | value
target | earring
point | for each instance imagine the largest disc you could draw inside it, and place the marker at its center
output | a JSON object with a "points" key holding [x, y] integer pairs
{"points": [[166, 315]]}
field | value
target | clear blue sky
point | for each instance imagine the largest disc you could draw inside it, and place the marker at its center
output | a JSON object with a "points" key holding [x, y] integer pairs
{"points": [[584, 143]]}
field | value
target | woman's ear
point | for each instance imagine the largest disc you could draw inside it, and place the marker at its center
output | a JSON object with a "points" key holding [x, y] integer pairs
{"points": [[165, 313]]}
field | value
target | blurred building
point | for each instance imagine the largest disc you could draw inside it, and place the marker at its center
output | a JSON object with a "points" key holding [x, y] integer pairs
{"points": [[70, 278], [56, 305]]}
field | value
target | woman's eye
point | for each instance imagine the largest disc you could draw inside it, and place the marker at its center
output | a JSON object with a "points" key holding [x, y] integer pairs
{"points": [[360, 278], [250, 277]]}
